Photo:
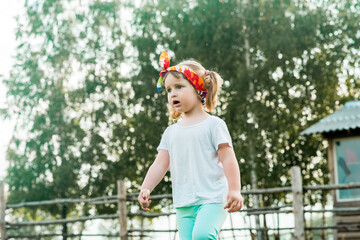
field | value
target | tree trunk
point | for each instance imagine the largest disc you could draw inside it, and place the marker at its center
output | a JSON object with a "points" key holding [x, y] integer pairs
{"points": [[252, 142]]}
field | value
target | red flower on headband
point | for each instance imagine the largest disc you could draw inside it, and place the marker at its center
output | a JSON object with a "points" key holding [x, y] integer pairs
{"points": [[164, 60]]}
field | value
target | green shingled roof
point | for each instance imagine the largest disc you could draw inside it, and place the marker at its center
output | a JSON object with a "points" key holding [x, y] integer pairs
{"points": [[345, 118]]}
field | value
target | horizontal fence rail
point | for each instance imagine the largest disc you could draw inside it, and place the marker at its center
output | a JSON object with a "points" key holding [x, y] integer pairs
{"points": [[121, 200], [131, 196], [332, 187]]}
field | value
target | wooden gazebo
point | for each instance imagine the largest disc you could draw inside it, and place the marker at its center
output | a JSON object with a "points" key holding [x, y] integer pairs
{"points": [[342, 131]]}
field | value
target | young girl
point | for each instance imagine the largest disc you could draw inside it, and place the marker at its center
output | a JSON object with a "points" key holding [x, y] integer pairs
{"points": [[198, 149]]}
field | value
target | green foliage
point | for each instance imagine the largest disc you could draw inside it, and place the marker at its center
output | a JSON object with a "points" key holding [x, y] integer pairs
{"points": [[67, 93], [296, 64], [84, 97]]}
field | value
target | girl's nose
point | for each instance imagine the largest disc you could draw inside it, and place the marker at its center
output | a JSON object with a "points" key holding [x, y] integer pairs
{"points": [[173, 93]]}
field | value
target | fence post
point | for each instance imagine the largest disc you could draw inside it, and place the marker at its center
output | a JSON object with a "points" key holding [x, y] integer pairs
{"points": [[298, 206], [121, 189], [2, 211]]}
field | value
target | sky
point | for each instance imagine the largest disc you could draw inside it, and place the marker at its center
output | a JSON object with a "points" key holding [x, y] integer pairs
{"points": [[8, 11]]}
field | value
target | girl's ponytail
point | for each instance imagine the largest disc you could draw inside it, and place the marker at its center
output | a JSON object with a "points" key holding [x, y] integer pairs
{"points": [[212, 82]]}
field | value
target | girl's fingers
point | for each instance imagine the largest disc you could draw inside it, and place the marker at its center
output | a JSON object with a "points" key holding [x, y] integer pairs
{"points": [[238, 206], [235, 206], [228, 204], [145, 208], [145, 205], [231, 209], [144, 199]]}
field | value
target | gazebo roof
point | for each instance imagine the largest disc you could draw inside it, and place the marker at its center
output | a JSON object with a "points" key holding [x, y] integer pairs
{"points": [[346, 118]]}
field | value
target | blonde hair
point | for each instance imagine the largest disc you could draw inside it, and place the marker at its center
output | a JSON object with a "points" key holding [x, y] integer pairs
{"points": [[212, 82]]}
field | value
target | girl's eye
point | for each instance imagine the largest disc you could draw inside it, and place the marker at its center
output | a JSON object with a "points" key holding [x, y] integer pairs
{"points": [[179, 87], [168, 90]]}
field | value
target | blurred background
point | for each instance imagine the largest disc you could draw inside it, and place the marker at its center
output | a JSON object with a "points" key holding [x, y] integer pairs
{"points": [[80, 110]]}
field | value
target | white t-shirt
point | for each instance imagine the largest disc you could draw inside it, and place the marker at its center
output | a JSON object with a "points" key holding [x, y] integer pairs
{"points": [[197, 175]]}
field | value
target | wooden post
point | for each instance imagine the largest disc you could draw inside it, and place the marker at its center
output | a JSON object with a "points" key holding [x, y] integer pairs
{"points": [[332, 163], [2, 211], [232, 226], [142, 228], [298, 206], [64, 225], [121, 189]]}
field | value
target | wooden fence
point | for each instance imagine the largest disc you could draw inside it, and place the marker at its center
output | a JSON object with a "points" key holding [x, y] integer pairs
{"points": [[123, 197]]}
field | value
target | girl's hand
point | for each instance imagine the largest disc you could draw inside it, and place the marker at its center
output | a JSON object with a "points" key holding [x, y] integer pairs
{"points": [[234, 201], [144, 199]]}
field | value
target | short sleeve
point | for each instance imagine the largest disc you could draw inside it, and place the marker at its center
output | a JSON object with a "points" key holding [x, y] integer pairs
{"points": [[220, 134], [164, 141]]}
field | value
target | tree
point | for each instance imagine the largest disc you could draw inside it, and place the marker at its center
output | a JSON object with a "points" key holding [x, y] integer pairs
{"points": [[283, 64], [291, 82], [86, 119], [67, 94]]}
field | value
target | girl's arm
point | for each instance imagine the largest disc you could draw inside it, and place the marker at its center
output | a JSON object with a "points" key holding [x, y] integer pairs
{"points": [[154, 175], [232, 172]]}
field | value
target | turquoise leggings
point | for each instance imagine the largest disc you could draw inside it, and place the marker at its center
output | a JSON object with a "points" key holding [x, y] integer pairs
{"points": [[200, 221]]}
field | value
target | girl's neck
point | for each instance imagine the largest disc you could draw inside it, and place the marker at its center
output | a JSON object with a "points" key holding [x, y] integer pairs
{"points": [[194, 117]]}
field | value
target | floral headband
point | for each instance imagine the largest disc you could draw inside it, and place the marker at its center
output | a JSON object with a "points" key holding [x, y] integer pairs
{"points": [[193, 78]]}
